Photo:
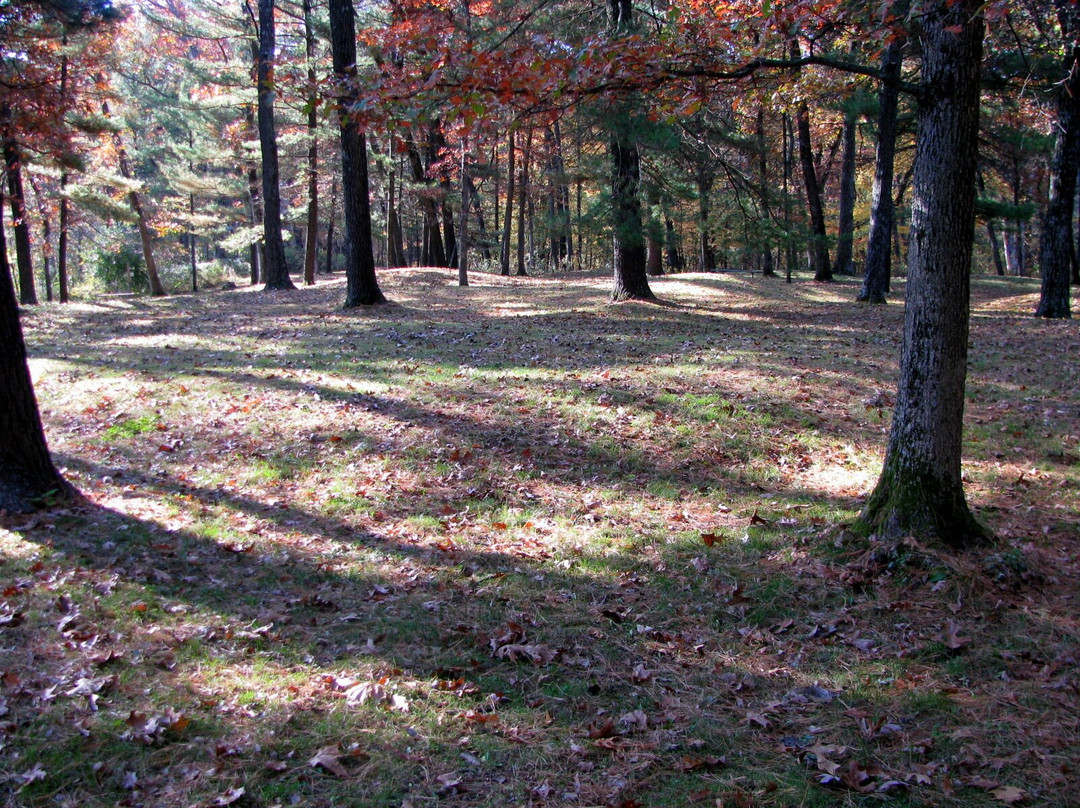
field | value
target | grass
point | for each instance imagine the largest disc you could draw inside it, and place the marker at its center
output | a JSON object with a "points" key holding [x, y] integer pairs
{"points": [[569, 553]]}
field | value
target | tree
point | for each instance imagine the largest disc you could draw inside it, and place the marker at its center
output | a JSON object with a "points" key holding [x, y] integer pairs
{"points": [[362, 285], [631, 278], [819, 245], [13, 163], [920, 491], [1057, 250], [882, 216], [275, 270]]}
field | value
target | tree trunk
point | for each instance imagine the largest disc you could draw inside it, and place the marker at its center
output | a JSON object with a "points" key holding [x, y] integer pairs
{"points": [[395, 248], [27, 474], [46, 238], [432, 253], [878, 268], [920, 492], [463, 226], [1015, 259], [311, 242], [846, 231], [362, 287], [275, 269], [767, 267], [523, 196], [504, 254], [819, 245], [254, 198], [329, 266], [20, 221], [1057, 250], [62, 240]]}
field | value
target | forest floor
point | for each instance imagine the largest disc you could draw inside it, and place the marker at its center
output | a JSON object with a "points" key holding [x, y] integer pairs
{"points": [[511, 545]]}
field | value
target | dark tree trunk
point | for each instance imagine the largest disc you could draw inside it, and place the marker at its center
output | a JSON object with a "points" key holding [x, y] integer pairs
{"points": [[846, 231], [674, 258], [476, 204], [329, 266], [767, 267], [504, 253], [396, 249], [631, 280], [878, 268], [991, 233], [46, 238], [920, 492], [20, 221], [819, 245], [432, 252], [275, 269], [27, 473], [62, 240], [311, 243], [362, 288], [463, 228], [1057, 250], [523, 198]]}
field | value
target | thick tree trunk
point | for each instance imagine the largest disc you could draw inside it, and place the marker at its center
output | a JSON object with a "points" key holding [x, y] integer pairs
{"points": [[504, 253], [362, 287], [920, 491], [819, 245], [846, 231], [275, 268], [27, 473], [631, 279], [1057, 250]]}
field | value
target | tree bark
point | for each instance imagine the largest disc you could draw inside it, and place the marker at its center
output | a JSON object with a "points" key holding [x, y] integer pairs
{"points": [[819, 245], [504, 254], [767, 267], [920, 491], [1057, 250], [395, 249], [523, 196], [846, 231], [65, 204], [19, 219], [362, 287], [275, 269], [311, 243], [27, 474], [878, 269], [463, 226]]}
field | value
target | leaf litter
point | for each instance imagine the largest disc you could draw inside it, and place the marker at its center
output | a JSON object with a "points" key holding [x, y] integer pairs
{"points": [[580, 555]]}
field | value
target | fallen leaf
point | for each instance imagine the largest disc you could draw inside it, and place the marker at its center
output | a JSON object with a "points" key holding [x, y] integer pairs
{"points": [[329, 758], [1009, 794]]}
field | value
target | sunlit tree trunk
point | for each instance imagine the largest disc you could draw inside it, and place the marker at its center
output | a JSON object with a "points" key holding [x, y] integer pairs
{"points": [[920, 492]]}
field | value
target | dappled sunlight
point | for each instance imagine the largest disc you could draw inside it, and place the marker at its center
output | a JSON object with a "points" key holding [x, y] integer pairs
{"points": [[485, 533]]}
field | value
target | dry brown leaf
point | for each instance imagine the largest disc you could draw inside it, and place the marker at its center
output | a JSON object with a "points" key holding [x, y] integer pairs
{"points": [[1009, 794], [329, 758]]}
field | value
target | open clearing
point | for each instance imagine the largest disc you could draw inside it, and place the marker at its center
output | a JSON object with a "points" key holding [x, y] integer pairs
{"points": [[509, 545]]}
